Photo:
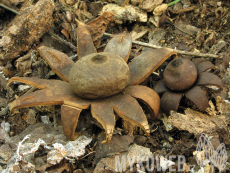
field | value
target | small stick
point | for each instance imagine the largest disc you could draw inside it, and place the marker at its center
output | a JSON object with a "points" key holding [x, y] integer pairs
{"points": [[74, 57], [62, 40], [32, 89], [175, 50], [10, 9]]}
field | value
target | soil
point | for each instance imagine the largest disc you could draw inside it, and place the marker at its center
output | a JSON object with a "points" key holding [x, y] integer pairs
{"points": [[188, 25]]}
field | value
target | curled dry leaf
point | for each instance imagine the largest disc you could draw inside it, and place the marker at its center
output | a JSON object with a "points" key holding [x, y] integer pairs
{"points": [[159, 10], [40, 20], [23, 65], [98, 26], [81, 10], [147, 5], [186, 28], [217, 47], [65, 33], [8, 70], [139, 31], [186, 9], [178, 8], [128, 12], [158, 19]]}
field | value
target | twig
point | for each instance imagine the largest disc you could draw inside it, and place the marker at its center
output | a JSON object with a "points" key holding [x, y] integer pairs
{"points": [[62, 40], [172, 3], [74, 57], [175, 50], [10, 9], [32, 89]]}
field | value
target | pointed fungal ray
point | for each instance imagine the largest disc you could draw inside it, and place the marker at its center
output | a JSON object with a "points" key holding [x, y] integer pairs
{"points": [[84, 41], [120, 45], [144, 64], [146, 95], [69, 118], [104, 114], [58, 61], [129, 109], [170, 101]]}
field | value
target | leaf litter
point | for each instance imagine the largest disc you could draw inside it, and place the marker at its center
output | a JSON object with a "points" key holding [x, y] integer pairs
{"points": [[202, 28]]}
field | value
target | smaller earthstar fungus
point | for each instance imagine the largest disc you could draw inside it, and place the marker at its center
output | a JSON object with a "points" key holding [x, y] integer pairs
{"points": [[183, 77]]}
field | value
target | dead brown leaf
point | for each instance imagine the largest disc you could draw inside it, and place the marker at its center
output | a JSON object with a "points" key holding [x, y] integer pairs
{"points": [[81, 10], [23, 65], [186, 28], [98, 26], [181, 11], [159, 10], [139, 31], [147, 5]]}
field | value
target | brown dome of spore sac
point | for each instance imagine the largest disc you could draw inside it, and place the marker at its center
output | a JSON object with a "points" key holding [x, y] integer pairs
{"points": [[99, 75], [180, 74]]}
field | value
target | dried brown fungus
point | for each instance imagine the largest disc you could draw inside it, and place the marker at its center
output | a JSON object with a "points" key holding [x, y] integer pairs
{"points": [[183, 77], [103, 82]]}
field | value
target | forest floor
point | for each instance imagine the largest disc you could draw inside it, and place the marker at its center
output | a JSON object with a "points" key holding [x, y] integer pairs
{"points": [[186, 140]]}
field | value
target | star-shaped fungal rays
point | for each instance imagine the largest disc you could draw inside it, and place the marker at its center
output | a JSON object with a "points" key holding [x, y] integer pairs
{"points": [[123, 104], [183, 77]]}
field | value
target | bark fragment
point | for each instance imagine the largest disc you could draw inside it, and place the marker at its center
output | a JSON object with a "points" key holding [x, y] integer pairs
{"points": [[25, 29]]}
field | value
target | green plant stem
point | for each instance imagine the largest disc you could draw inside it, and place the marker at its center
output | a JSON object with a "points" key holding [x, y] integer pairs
{"points": [[172, 3]]}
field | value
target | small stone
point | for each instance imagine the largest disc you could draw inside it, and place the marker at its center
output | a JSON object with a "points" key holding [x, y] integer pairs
{"points": [[170, 139], [23, 87], [11, 133], [45, 119], [6, 127], [219, 3], [167, 145], [68, 16]]}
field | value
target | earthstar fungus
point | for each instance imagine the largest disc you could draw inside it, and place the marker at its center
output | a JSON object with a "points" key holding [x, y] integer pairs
{"points": [[103, 82], [183, 77]]}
